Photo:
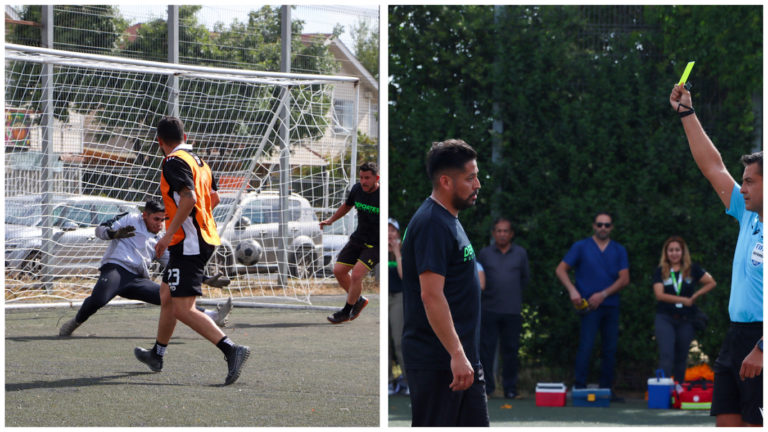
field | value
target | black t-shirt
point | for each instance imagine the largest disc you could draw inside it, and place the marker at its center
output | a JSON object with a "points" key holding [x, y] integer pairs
{"points": [[688, 287], [395, 283], [436, 241], [367, 205]]}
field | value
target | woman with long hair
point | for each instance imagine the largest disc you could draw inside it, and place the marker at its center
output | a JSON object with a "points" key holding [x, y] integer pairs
{"points": [[674, 284]]}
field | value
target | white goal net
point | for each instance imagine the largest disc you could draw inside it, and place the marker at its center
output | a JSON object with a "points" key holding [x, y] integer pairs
{"points": [[80, 148]]}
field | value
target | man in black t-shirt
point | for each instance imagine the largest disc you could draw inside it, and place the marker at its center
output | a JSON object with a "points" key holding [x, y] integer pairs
{"points": [[441, 297], [361, 253]]}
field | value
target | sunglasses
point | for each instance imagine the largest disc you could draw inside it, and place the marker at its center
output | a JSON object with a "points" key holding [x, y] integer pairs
{"points": [[603, 224]]}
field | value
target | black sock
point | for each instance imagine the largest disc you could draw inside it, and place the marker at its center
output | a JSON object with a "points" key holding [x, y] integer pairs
{"points": [[226, 346], [348, 308], [159, 349]]}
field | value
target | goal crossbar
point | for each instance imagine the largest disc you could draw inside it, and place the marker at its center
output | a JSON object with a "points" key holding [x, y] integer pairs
{"points": [[65, 58]]}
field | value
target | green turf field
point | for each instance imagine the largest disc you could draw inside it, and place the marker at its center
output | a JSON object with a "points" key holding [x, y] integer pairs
{"points": [[525, 413], [302, 370]]}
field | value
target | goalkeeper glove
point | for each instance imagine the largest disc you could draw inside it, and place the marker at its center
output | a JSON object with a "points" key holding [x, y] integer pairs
{"points": [[124, 232]]}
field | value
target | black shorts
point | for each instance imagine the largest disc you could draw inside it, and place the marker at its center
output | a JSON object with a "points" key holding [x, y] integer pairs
{"points": [[433, 403], [731, 394], [185, 273], [356, 250]]}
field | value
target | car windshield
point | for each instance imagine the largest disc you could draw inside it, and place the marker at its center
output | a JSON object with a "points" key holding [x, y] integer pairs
{"points": [[220, 212], [268, 210], [21, 214]]}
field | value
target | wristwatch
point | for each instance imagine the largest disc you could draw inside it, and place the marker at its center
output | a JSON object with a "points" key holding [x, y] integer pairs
{"points": [[760, 345]]}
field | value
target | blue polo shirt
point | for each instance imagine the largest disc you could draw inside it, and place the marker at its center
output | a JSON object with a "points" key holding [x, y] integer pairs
{"points": [[746, 302], [596, 270]]}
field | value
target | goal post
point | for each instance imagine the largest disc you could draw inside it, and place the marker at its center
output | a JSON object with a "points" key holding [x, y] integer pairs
{"points": [[107, 161]]}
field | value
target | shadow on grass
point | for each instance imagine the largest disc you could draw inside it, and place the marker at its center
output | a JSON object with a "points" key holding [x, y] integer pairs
{"points": [[80, 382]]}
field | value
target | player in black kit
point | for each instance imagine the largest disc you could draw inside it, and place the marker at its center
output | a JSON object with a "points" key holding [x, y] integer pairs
{"points": [[441, 297], [361, 253]]}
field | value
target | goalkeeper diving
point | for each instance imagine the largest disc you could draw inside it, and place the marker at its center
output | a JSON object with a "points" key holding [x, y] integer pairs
{"points": [[125, 265]]}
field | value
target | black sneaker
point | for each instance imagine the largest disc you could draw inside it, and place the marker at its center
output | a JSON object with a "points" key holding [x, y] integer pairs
{"points": [[360, 304], [510, 395], [338, 317], [149, 358], [235, 363]]}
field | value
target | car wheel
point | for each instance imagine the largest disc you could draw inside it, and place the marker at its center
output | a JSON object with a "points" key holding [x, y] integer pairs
{"points": [[222, 261], [32, 266], [302, 263]]}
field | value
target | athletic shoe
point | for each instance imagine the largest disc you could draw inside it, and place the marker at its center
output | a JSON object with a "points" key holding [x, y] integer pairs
{"points": [[360, 304], [222, 313], [510, 395], [68, 327], [235, 363], [149, 358], [339, 317]]}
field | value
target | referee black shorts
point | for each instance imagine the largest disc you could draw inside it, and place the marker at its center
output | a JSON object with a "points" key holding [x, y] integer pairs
{"points": [[185, 273], [433, 403], [731, 394]]}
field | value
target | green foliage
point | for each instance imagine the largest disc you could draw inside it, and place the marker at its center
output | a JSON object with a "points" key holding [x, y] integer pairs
{"points": [[366, 46], [587, 126]]}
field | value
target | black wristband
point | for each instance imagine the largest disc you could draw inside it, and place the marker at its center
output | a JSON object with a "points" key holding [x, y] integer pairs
{"points": [[685, 113], [111, 233]]}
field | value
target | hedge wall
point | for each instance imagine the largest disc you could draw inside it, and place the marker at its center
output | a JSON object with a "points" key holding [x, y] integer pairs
{"points": [[582, 94]]}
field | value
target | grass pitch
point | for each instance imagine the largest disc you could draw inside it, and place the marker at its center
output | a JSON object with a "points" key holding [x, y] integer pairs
{"points": [[302, 371]]}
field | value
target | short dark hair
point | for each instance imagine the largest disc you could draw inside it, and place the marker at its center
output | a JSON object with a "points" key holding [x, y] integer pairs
{"points": [[753, 158], [370, 166], [170, 129], [500, 219], [450, 154], [594, 218], [154, 206]]}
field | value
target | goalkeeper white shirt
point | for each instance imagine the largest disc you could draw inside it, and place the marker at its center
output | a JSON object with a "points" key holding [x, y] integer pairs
{"points": [[134, 254]]}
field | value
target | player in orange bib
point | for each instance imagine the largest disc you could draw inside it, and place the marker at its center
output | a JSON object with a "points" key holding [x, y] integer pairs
{"points": [[189, 193]]}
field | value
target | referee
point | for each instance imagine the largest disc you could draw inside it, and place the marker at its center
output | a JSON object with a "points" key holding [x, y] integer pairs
{"points": [[738, 388], [441, 297]]}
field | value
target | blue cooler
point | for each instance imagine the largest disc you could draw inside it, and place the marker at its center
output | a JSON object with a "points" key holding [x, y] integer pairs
{"points": [[660, 391], [591, 397]]}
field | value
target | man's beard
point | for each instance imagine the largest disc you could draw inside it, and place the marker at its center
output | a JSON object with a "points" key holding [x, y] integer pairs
{"points": [[461, 204]]}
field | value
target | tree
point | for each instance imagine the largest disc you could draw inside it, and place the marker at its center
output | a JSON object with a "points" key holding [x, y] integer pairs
{"points": [[366, 46]]}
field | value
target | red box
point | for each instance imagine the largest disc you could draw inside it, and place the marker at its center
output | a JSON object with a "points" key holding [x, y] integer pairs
{"points": [[694, 395], [550, 394]]}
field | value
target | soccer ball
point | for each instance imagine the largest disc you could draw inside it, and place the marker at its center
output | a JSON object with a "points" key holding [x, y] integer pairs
{"points": [[248, 252]]}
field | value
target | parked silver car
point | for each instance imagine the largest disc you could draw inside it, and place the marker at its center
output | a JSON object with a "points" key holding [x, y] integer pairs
{"points": [[75, 249], [256, 219], [335, 237]]}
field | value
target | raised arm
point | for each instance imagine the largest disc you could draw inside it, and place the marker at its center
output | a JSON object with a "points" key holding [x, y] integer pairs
{"points": [[440, 319], [703, 150]]}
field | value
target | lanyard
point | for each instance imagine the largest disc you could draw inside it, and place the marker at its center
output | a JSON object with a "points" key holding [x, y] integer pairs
{"points": [[677, 282]]}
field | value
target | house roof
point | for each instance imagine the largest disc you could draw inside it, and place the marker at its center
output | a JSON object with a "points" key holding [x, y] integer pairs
{"points": [[343, 54]]}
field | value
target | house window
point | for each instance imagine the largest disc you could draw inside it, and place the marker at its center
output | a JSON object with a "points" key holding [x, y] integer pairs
{"points": [[344, 113]]}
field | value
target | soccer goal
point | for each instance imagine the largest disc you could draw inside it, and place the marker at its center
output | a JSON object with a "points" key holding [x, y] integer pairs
{"points": [[80, 148]]}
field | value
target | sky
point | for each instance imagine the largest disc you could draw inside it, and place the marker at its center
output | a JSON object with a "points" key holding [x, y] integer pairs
{"points": [[317, 18]]}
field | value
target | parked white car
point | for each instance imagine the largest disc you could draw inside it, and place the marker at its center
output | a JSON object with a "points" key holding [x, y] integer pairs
{"points": [[75, 249]]}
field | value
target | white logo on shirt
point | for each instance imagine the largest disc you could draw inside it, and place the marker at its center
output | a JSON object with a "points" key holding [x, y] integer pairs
{"points": [[757, 254]]}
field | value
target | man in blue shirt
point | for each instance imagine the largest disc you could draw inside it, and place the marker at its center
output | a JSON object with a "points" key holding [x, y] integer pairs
{"points": [[738, 389], [601, 269], [441, 297]]}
